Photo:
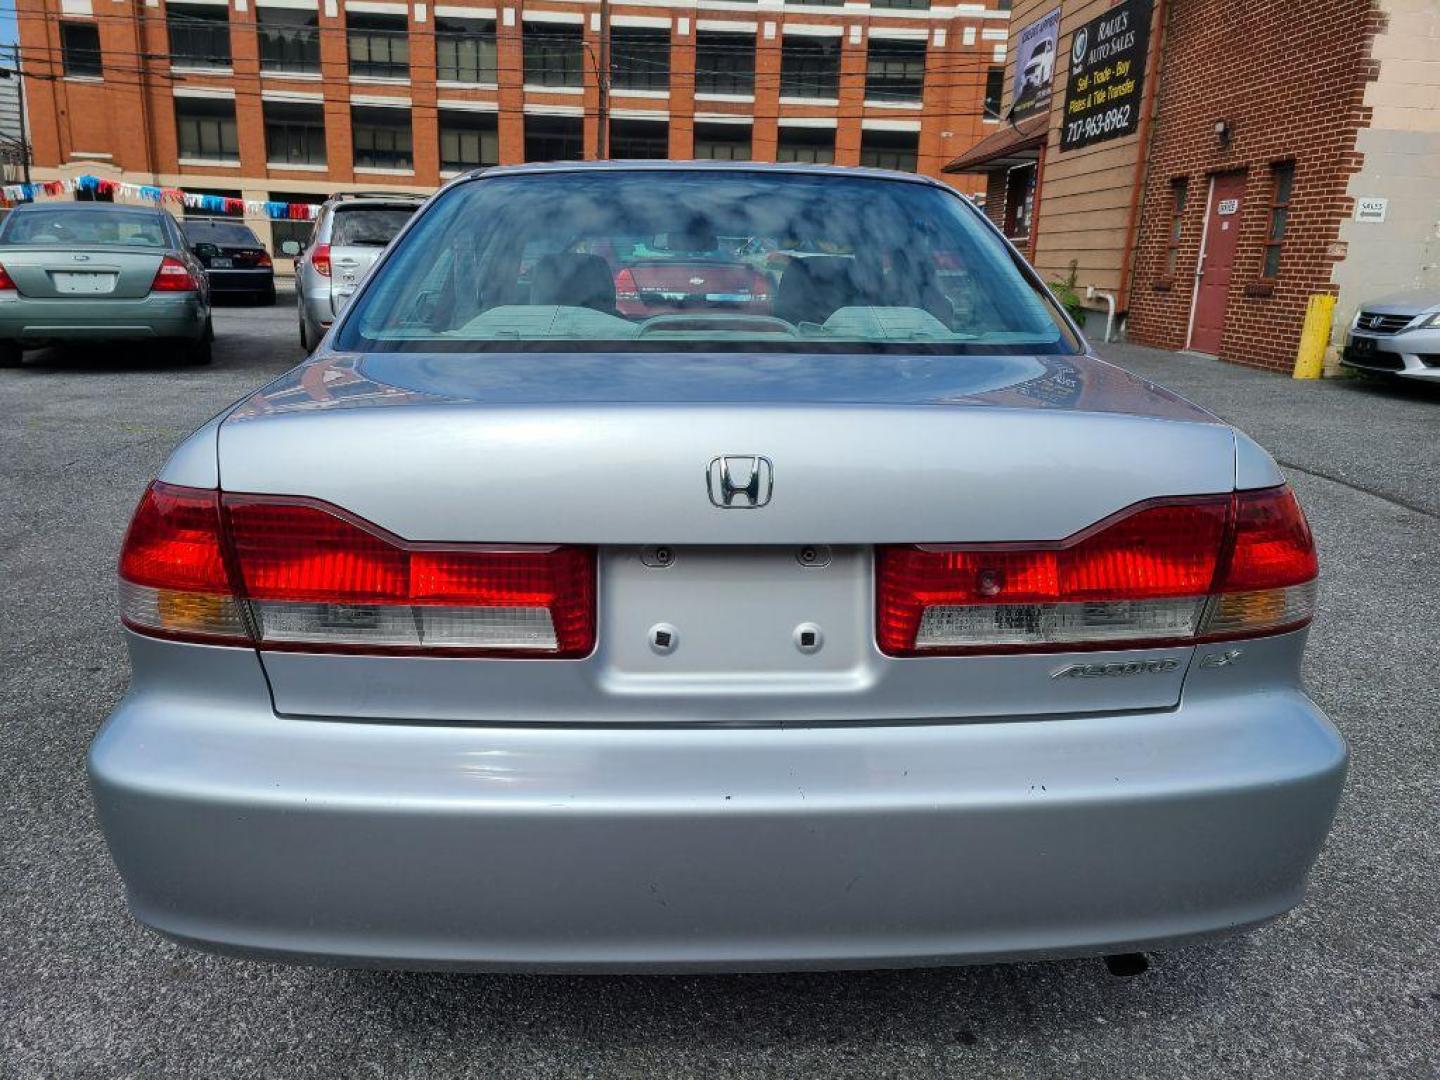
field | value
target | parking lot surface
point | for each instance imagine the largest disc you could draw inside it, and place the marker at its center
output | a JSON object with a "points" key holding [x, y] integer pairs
{"points": [[1349, 985]]}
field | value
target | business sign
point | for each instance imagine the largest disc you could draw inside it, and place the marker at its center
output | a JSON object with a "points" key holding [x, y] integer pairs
{"points": [[1034, 65], [1107, 75]]}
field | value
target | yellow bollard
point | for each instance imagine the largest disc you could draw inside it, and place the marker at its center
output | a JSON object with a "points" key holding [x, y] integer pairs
{"points": [[1310, 357]]}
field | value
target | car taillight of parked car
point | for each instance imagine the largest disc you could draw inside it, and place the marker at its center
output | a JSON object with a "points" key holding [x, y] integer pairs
{"points": [[298, 574], [320, 259], [173, 276], [7, 283], [1166, 572]]}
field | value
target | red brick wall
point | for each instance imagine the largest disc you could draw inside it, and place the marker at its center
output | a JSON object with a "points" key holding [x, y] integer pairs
{"points": [[1289, 79]]}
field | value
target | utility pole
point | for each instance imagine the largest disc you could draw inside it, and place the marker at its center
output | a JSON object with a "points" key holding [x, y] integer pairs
{"points": [[602, 136]]}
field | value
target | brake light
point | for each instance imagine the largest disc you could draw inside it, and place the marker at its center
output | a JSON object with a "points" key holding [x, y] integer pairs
{"points": [[262, 259], [759, 288], [7, 283], [320, 259], [173, 276], [300, 574], [625, 286], [1161, 573]]}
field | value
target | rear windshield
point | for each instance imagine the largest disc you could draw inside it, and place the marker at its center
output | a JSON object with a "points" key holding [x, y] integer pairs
{"points": [[84, 227], [723, 260], [368, 226], [230, 233]]}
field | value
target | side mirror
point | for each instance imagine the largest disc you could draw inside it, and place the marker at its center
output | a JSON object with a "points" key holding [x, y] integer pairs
{"points": [[291, 248]]}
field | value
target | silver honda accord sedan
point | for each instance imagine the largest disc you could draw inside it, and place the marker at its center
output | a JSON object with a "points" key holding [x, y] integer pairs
{"points": [[834, 608]]}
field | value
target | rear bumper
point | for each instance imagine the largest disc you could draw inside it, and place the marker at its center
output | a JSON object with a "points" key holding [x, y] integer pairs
{"points": [[640, 848], [35, 319], [241, 281]]}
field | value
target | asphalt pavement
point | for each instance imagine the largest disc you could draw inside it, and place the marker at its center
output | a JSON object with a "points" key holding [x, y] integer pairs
{"points": [[1348, 985]]}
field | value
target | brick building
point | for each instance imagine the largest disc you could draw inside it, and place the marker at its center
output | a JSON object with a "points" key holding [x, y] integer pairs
{"points": [[1235, 192], [288, 100]]}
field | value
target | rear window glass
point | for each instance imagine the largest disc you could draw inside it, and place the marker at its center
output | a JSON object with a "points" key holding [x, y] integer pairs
{"points": [[368, 226], [718, 259], [231, 233], [84, 227]]}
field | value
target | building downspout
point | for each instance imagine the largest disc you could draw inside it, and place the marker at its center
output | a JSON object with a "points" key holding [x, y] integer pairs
{"points": [[1142, 145]]}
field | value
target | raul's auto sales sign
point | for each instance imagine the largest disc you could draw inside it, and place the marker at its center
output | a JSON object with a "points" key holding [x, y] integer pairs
{"points": [[1107, 75]]}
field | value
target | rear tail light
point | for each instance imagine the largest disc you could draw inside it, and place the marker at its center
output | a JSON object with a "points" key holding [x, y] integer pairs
{"points": [[7, 283], [625, 286], [262, 259], [173, 276], [760, 287], [297, 574], [1170, 572], [320, 259]]}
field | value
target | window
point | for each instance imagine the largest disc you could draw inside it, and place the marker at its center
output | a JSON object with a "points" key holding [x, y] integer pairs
{"points": [[199, 35], [554, 54], [379, 45], [1282, 178], [639, 59], [814, 146], [289, 40], [895, 70], [554, 138], [890, 150], [724, 63], [141, 228], [1179, 190], [994, 90], [913, 5], [468, 140], [722, 142], [80, 49], [818, 3], [465, 50], [294, 133], [299, 231], [810, 67], [381, 137], [639, 139], [205, 128], [582, 262]]}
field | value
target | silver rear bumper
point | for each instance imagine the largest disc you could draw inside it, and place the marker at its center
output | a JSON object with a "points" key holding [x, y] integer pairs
{"points": [[703, 847]]}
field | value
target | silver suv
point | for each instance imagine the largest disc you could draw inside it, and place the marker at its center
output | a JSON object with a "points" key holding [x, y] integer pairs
{"points": [[351, 231]]}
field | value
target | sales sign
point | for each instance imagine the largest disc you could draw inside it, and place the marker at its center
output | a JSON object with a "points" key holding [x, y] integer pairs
{"points": [[1107, 75]]}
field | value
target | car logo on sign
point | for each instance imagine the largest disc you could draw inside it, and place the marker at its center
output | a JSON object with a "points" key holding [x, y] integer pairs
{"points": [[740, 481]]}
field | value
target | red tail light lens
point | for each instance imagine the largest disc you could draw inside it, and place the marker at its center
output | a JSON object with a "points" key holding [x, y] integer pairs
{"points": [[173, 578], [759, 288], [1171, 572], [320, 259], [173, 276], [309, 576], [7, 283], [263, 259], [627, 293]]}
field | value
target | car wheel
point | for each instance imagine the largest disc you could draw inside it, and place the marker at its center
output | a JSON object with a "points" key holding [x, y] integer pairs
{"points": [[10, 354], [304, 336], [199, 353]]}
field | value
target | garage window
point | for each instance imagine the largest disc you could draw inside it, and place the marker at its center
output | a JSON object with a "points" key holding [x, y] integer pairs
{"points": [[289, 40], [379, 45], [815, 146], [199, 35], [810, 67], [895, 70], [468, 140], [639, 58], [554, 55], [465, 50], [381, 137], [724, 63]]}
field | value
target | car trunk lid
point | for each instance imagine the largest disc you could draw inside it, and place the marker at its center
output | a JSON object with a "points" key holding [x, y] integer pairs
{"points": [[859, 451], [99, 272]]}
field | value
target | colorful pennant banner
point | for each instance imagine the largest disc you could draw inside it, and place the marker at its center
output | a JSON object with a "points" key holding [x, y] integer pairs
{"points": [[99, 185]]}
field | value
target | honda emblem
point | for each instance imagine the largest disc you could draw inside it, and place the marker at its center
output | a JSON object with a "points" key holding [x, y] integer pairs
{"points": [[740, 481]]}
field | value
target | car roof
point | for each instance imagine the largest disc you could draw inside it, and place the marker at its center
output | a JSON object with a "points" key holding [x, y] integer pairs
{"points": [[705, 166]]}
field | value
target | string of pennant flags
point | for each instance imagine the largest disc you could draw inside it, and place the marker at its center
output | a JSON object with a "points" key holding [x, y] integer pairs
{"points": [[193, 200]]}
